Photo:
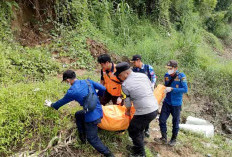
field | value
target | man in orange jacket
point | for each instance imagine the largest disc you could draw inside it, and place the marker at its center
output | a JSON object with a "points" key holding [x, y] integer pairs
{"points": [[109, 80]]}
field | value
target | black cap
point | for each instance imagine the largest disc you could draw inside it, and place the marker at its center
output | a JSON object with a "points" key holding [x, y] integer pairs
{"points": [[172, 63], [69, 74], [136, 57], [121, 67]]}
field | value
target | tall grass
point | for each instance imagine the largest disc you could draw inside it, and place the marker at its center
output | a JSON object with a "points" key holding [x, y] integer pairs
{"points": [[23, 116]]}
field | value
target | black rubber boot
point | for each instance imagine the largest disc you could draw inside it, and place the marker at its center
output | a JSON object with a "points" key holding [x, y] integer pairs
{"points": [[162, 140], [172, 142], [82, 137]]}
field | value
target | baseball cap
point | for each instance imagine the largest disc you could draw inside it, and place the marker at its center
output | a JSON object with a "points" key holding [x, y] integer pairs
{"points": [[69, 74], [172, 63], [136, 57], [121, 67]]}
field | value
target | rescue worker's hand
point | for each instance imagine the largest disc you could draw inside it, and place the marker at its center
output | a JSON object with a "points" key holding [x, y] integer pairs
{"points": [[168, 89], [48, 103], [119, 100]]}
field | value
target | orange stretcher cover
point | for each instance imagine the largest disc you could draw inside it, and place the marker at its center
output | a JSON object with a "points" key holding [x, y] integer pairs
{"points": [[114, 118]]}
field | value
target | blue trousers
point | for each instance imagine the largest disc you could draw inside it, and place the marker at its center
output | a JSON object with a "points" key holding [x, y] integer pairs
{"points": [[90, 129], [165, 112]]}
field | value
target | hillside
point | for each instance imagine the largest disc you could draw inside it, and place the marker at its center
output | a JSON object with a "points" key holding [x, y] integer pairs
{"points": [[42, 38]]}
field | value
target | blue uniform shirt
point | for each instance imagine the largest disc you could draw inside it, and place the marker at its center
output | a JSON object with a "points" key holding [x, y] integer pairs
{"points": [[148, 70], [179, 86], [78, 91]]}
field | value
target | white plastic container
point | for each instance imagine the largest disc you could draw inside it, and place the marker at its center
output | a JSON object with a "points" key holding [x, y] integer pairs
{"points": [[199, 126], [196, 121]]}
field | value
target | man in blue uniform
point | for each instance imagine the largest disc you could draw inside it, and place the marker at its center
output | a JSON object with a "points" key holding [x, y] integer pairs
{"points": [[143, 68], [176, 86], [86, 121], [149, 71]]}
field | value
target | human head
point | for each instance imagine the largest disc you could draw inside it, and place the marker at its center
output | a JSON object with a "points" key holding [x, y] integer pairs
{"points": [[136, 59], [69, 76], [172, 67], [105, 61], [122, 71]]}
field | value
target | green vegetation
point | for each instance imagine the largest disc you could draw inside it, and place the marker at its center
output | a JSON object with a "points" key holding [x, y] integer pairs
{"points": [[193, 32]]}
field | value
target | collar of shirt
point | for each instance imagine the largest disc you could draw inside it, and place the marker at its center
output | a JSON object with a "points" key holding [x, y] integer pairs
{"points": [[142, 66], [75, 82]]}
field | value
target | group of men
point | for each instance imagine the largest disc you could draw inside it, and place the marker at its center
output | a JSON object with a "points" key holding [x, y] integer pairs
{"points": [[123, 85]]}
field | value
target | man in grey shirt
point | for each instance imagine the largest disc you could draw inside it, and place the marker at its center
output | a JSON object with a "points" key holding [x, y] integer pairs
{"points": [[139, 90]]}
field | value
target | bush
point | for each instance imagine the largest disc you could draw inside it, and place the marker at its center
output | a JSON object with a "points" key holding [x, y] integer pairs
{"points": [[24, 64]]}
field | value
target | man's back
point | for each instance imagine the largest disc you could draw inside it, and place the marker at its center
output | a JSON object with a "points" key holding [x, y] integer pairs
{"points": [[78, 91], [138, 87]]}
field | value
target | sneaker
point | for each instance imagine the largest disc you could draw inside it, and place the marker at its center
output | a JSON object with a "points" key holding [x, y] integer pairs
{"points": [[172, 142], [161, 140]]}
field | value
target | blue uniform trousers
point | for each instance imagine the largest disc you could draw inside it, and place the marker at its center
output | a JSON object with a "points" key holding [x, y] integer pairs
{"points": [[165, 112], [90, 129]]}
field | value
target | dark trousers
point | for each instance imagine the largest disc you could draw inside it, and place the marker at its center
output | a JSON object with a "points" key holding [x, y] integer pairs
{"points": [[107, 97], [147, 128], [90, 129], [136, 131], [165, 112]]}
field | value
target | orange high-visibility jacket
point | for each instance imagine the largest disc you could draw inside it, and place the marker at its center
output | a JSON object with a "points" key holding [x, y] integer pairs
{"points": [[111, 82]]}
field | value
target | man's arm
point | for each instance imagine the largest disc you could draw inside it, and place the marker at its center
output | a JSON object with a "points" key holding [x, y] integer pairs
{"points": [[66, 99], [127, 100], [101, 88], [183, 82], [153, 76], [151, 84]]}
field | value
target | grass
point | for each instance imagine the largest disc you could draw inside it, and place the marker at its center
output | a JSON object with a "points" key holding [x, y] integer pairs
{"points": [[23, 115], [216, 146]]}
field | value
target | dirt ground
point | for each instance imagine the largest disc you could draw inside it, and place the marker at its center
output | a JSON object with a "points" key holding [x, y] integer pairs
{"points": [[165, 150]]}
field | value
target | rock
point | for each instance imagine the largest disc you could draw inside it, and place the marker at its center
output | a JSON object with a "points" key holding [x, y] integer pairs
{"points": [[229, 141], [209, 155], [227, 128], [36, 89]]}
